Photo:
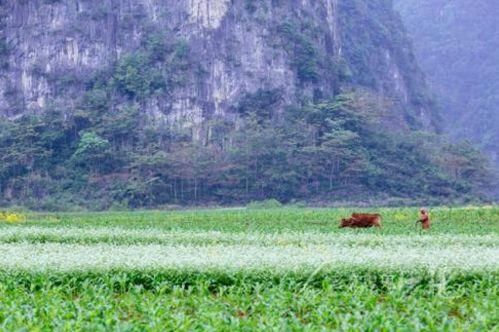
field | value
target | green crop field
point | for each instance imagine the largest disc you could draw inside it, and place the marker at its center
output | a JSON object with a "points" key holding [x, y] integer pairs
{"points": [[287, 269]]}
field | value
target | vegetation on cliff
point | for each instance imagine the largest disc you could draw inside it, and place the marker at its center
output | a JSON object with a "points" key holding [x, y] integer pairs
{"points": [[334, 150], [457, 45], [322, 109]]}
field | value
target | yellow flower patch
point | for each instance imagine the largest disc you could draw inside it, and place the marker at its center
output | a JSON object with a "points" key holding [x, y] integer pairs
{"points": [[12, 218]]}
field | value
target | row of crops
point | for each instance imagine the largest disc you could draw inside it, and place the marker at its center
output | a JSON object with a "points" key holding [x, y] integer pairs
{"points": [[66, 249], [283, 269]]}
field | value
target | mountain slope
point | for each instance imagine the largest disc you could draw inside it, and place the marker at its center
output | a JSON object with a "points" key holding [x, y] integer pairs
{"points": [[457, 44], [149, 102]]}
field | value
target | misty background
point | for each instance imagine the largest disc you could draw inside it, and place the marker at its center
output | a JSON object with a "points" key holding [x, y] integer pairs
{"points": [[457, 46]]}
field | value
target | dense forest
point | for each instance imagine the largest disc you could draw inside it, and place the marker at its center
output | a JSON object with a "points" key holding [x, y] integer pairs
{"points": [[332, 151], [457, 45], [190, 115]]}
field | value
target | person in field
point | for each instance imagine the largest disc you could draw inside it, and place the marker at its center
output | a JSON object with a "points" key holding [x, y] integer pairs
{"points": [[424, 219], [362, 220]]}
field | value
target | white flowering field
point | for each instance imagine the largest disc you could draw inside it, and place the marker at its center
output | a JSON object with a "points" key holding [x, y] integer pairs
{"points": [[283, 269]]}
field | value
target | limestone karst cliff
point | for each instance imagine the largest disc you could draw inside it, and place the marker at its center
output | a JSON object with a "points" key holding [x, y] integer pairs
{"points": [[145, 103], [298, 50]]}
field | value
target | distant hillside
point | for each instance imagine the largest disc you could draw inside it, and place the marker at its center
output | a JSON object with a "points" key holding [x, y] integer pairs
{"points": [[457, 45], [146, 103]]}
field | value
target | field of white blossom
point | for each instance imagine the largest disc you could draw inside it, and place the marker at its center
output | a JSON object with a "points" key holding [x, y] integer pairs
{"points": [[247, 270], [101, 249]]}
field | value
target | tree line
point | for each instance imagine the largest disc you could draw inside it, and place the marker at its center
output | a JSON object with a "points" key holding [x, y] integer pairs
{"points": [[334, 150]]}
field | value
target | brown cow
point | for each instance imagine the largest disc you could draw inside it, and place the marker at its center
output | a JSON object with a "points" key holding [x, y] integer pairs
{"points": [[424, 219], [362, 220]]}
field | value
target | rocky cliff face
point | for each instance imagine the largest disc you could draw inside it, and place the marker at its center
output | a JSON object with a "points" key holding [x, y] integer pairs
{"points": [[51, 52]]}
